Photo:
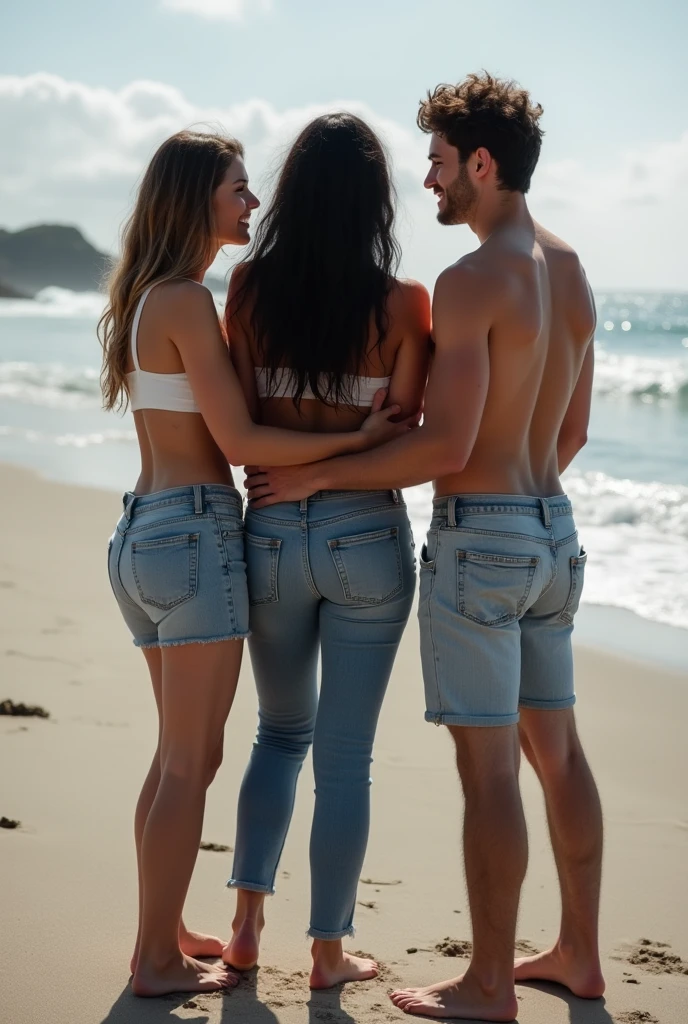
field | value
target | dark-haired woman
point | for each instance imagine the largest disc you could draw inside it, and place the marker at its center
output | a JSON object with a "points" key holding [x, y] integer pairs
{"points": [[176, 558], [318, 324]]}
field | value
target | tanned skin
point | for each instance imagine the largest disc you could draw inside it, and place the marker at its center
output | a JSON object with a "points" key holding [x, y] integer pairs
{"points": [[506, 410]]}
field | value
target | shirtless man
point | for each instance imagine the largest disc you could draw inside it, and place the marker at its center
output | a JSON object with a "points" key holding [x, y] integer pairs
{"points": [[506, 410]]}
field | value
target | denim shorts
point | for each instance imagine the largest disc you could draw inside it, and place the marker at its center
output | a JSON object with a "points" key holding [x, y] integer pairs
{"points": [[500, 582], [176, 566]]}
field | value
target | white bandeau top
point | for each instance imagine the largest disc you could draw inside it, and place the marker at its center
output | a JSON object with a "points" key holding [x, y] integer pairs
{"points": [[169, 391], [283, 385]]}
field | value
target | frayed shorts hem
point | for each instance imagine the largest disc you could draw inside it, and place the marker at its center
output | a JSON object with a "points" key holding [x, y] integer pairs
{"points": [[548, 705], [481, 721], [315, 933], [234, 883], [150, 644]]}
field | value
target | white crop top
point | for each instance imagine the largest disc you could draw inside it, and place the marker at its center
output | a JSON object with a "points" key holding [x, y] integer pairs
{"points": [[362, 389], [169, 391]]}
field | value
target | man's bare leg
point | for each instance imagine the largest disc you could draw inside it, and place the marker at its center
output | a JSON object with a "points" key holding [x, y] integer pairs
{"points": [[192, 943], [551, 744], [496, 856]]}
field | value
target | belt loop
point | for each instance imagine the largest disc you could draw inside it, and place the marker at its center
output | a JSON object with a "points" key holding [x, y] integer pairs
{"points": [[198, 499], [546, 517], [303, 505], [395, 496], [451, 511]]}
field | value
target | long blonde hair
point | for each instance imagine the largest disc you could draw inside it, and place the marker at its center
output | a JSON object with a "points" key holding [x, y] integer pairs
{"points": [[170, 234]]}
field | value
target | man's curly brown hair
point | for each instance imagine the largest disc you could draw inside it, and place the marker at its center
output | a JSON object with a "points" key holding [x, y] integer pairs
{"points": [[484, 111]]}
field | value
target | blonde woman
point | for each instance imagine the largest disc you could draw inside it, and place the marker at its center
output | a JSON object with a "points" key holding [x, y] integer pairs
{"points": [[176, 559]]}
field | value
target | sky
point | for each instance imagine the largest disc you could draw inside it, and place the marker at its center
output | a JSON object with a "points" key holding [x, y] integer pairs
{"points": [[88, 91]]}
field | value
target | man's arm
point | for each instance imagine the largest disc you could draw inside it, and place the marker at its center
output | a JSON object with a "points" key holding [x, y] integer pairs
{"points": [[573, 433], [454, 403]]}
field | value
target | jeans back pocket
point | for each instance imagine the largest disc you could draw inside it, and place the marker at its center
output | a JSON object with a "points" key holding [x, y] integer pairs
{"points": [[262, 564], [493, 589], [166, 570], [577, 575], [369, 565]]}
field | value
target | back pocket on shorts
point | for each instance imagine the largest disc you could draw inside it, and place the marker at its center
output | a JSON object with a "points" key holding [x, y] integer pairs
{"points": [[369, 565], [166, 570], [493, 589], [577, 570], [262, 562]]}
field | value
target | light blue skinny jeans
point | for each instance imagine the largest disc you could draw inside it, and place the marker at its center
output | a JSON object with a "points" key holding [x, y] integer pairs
{"points": [[332, 575]]}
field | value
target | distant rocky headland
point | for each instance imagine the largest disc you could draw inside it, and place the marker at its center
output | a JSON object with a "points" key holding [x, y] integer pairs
{"points": [[55, 255], [49, 254]]}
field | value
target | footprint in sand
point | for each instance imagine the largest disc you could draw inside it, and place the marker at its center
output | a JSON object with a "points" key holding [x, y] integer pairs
{"points": [[636, 1017], [454, 947], [9, 707], [216, 847], [371, 881], [655, 957]]}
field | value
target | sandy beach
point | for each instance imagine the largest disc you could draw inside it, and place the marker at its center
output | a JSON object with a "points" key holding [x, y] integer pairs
{"points": [[71, 780]]}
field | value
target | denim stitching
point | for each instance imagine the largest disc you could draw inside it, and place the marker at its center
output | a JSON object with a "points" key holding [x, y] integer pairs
{"points": [[193, 518], [577, 565], [318, 524], [462, 558], [192, 547], [334, 546], [273, 547]]}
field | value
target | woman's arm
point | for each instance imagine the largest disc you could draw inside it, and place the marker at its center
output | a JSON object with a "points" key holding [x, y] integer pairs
{"points": [[236, 327], [410, 373], [195, 331]]}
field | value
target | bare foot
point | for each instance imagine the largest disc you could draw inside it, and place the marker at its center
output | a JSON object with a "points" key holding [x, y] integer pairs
{"points": [[192, 943], [182, 974], [199, 944], [459, 997], [242, 949], [332, 966], [581, 975]]}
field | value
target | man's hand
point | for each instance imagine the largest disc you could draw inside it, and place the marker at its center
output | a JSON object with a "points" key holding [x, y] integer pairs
{"points": [[270, 485]]}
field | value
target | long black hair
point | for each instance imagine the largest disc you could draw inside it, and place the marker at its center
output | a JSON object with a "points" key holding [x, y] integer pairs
{"points": [[323, 258]]}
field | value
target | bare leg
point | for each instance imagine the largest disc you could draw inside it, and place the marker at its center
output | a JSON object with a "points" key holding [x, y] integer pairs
{"points": [[198, 686], [496, 855], [332, 966], [551, 744], [192, 943], [243, 948]]}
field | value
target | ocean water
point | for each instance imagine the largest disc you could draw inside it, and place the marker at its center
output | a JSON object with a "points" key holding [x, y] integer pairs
{"points": [[629, 484]]}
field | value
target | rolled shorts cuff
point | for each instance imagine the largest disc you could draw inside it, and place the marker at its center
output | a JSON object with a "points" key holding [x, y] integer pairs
{"points": [[236, 883], [548, 705], [148, 644], [315, 933], [481, 721]]}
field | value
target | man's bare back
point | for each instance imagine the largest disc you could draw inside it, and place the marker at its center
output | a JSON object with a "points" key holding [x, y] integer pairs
{"points": [[543, 322]]}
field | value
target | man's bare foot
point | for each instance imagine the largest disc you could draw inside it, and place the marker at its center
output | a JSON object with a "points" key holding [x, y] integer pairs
{"points": [[459, 997], [192, 943], [580, 974], [182, 974], [332, 966]]}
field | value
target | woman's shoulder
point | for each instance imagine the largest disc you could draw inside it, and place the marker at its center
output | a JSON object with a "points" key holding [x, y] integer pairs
{"points": [[409, 303], [183, 297]]}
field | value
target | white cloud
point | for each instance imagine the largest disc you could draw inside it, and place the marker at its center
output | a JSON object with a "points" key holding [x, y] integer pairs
{"points": [[77, 152], [217, 10]]}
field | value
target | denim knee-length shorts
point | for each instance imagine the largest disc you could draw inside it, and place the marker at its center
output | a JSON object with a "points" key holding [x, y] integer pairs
{"points": [[176, 565]]}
